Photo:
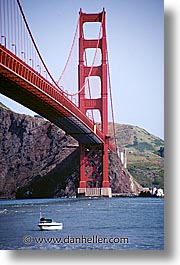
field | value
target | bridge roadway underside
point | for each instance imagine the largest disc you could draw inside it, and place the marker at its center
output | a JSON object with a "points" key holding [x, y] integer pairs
{"points": [[46, 107]]}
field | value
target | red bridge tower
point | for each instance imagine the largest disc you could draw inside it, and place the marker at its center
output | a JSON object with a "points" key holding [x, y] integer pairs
{"points": [[94, 177]]}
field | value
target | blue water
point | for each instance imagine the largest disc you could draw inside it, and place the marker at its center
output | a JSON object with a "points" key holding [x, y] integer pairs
{"points": [[129, 223]]}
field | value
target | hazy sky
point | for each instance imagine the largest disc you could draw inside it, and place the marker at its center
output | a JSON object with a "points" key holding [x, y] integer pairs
{"points": [[135, 36]]}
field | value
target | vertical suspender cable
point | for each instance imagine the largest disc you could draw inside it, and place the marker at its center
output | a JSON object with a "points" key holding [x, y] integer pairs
{"points": [[5, 25], [8, 25], [18, 31], [15, 23], [11, 25]]}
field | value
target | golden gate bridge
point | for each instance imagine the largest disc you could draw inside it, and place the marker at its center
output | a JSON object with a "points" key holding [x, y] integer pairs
{"points": [[25, 78]]}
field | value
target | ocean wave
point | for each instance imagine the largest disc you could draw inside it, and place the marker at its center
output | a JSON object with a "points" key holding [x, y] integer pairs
{"points": [[3, 211]]}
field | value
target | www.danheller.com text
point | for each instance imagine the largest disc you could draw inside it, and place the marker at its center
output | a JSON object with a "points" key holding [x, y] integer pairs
{"points": [[94, 239]]}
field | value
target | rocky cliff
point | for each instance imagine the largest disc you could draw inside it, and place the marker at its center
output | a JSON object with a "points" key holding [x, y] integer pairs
{"points": [[37, 159]]}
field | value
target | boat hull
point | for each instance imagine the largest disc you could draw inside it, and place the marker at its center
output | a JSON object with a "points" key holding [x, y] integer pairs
{"points": [[51, 227]]}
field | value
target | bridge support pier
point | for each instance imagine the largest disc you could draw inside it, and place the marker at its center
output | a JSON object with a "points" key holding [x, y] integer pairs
{"points": [[94, 177]]}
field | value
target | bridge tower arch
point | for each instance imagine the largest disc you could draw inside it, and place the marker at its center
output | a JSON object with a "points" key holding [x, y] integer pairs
{"points": [[94, 177]]}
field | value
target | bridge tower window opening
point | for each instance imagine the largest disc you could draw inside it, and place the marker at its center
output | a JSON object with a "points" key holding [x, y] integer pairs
{"points": [[91, 30], [89, 55], [95, 116], [92, 87]]}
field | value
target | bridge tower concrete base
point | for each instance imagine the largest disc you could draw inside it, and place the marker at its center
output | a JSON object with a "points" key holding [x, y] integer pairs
{"points": [[95, 192], [94, 177]]}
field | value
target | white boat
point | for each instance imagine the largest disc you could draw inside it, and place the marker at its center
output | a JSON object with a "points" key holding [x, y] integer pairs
{"points": [[48, 224]]}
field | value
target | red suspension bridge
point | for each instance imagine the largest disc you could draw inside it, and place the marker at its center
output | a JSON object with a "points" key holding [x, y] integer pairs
{"points": [[25, 78]]}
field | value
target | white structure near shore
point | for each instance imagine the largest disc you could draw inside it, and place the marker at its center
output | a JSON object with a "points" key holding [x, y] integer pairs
{"points": [[157, 191]]}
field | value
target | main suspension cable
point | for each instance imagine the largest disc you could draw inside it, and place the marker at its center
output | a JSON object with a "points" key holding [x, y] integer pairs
{"points": [[70, 53]]}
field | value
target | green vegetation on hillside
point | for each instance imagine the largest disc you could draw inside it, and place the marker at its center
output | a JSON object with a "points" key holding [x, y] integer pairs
{"points": [[145, 154]]}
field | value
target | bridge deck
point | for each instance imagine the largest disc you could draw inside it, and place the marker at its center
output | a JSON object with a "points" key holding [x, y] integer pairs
{"points": [[21, 83]]}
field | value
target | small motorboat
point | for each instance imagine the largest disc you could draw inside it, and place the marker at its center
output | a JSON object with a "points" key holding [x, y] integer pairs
{"points": [[48, 224]]}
